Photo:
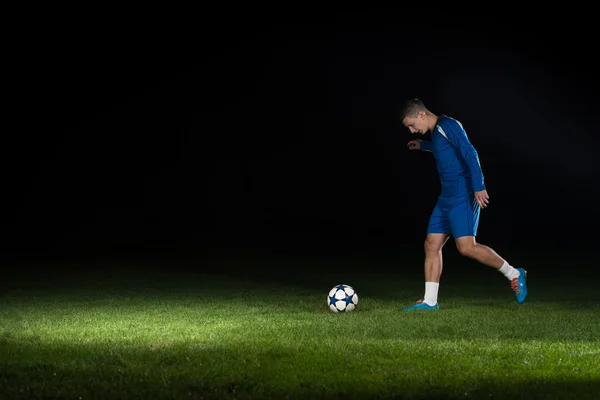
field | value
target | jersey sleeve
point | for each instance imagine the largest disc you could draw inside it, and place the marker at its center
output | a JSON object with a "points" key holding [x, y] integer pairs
{"points": [[457, 136], [426, 145]]}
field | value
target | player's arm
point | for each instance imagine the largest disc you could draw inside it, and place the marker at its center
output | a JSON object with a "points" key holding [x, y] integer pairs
{"points": [[418, 144], [458, 138], [426, 145]]}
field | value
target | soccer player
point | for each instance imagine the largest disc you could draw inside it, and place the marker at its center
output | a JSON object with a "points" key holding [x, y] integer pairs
{"points": [[463, 195]]}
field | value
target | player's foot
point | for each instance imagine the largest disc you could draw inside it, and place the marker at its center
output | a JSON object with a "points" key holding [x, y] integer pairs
{"points": [[420, 305], [519, 285]]}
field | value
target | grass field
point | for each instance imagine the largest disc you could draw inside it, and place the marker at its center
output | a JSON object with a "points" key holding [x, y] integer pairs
{"points": [[165, 333]]}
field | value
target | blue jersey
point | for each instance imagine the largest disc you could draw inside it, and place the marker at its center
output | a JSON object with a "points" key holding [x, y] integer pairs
{"points": [[456, 159]]}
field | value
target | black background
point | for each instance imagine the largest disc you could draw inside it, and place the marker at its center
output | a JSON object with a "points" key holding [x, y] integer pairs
{"points": [[273, 132]]}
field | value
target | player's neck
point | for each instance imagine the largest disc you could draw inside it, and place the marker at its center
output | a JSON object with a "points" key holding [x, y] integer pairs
{"points": [[433, 120]]}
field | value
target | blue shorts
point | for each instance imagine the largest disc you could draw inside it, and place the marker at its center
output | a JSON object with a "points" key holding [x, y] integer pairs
{"points": [[457, 216]]}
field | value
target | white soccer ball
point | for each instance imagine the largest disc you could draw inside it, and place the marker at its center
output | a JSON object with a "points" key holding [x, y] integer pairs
{"points": [[342, 298]]}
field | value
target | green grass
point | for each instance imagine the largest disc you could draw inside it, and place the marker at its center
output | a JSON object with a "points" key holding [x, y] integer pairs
{"points": [[161, 334]]}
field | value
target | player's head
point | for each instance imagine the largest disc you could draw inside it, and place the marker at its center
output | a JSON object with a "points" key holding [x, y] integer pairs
{"points": [[416, 117]]}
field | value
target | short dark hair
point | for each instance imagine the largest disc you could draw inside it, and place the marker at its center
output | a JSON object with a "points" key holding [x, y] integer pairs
{"points": [[411, 108]]}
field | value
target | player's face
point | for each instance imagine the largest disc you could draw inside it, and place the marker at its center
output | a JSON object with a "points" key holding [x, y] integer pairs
{"points": [[416, 124]]}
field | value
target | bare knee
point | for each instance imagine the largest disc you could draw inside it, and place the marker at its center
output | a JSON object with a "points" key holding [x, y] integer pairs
{"points": [[466, 246], [431, 247], [434, 243]]}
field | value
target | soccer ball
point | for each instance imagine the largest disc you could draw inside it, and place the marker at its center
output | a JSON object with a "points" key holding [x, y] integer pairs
{"points": [[342, 298]]}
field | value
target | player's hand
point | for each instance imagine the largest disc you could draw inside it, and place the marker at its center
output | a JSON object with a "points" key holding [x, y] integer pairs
{"points": [[414, 144], [482, 198]]}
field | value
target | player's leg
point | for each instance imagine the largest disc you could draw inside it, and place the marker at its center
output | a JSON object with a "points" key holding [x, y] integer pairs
{"points": [[434, 242], [467, 246], [437, 235], [464, 220]]}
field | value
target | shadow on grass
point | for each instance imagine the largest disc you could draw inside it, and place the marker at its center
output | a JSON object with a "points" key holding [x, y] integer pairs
{"points": [[230, 373]]}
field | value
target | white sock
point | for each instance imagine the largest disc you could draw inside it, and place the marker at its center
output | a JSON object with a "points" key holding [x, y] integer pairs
{"points": [[509, 272], [431, 293]]}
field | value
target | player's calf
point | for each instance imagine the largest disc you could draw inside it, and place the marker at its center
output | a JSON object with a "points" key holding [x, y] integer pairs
{"points": [[468, 247]]}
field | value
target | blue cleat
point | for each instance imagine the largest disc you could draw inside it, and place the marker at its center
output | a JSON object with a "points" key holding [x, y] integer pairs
{"points": [[420, 305], [519, 286]]}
